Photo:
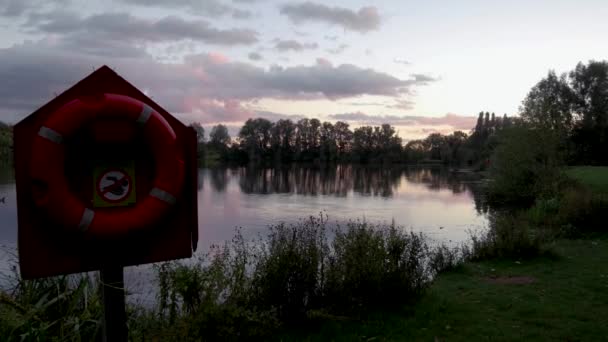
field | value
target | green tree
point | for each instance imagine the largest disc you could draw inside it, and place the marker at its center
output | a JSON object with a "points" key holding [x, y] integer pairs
{"points": [[343, 136], [549, 104], [200, 132], [590, 86], [282, 140], [219, 135], [254, 138], [526, 164], [328, 142]]}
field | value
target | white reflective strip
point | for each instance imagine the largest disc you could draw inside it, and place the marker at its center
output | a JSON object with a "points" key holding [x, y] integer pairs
{"points": [[86, 220], [50, 134], [146, 112], [163, 195]]}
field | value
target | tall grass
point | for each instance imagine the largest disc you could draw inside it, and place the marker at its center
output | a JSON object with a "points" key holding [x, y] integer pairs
{"points": [[249, 289], [66, 308]]}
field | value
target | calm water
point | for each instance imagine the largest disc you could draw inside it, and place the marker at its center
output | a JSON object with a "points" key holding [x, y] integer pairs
{"points": [[434, 201], [442, 204]]}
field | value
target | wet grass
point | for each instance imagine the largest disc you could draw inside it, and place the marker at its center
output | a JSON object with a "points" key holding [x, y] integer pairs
{"points": [[556, 297]]}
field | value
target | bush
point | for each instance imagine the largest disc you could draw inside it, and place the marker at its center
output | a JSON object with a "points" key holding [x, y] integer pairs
{"points": [[289, 270], [374, 266], [582, 210], [248, 290], [526, 165], [509, 236], [444, 258], [574, 211]]}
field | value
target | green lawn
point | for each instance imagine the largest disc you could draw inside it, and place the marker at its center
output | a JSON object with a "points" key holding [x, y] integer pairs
{"points": [[595, 177], [558, 298]]}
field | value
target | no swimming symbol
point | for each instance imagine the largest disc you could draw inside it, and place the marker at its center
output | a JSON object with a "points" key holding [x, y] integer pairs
{"points": [[114, 186]]}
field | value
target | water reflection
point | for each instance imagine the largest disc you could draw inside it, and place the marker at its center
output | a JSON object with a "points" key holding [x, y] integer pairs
{"points": [[439, 202], [340, 180]]}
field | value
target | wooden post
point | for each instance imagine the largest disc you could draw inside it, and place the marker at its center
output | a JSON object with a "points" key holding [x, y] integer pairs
{"points": [[113, 293]]}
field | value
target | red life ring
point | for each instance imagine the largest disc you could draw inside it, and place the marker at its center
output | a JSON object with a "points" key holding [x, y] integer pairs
{"points": [[48, 159]]}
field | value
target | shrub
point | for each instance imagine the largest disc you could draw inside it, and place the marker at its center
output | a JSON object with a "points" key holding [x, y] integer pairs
{"points": [[582, 210], [525, 165], [509, 236], [289, 270], [373, 266], [444, 258]]}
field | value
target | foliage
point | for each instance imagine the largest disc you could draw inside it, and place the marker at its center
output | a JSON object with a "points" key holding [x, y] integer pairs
{"points": [[310, 140], [579, 208], [525, 165], [375, 267], [6, 143], [575, 106], [65, 308], [509, 236], [288, 276], [249, 290], [549, 104]]}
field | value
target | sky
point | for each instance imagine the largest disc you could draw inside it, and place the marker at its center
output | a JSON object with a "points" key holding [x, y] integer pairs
{"points": [[423, 66]]}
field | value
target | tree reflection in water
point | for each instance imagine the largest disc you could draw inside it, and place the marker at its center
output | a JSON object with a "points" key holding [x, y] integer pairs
{"points": [[339, 180]]}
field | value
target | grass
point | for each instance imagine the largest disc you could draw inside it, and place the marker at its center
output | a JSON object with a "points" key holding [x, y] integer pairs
{"points": [[563, 297], [593, 177]]}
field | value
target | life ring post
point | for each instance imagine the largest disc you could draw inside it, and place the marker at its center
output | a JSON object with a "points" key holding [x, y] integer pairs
{"points": [[113, 294]]}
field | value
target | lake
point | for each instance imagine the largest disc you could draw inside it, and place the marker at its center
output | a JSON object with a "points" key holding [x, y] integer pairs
{"points": [[442, 204]]}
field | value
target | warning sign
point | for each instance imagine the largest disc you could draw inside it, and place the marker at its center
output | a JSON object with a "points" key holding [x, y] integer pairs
{"points": [[114, 187]]}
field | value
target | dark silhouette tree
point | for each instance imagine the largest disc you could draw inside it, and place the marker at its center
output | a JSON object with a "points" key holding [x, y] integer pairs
{"points": [[549, 104], [219, 135]]}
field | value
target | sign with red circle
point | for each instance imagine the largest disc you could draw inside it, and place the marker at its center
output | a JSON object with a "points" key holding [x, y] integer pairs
{"points": [[114, 187]]}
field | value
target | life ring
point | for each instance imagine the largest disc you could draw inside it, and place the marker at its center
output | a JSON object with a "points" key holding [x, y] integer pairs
{"points": [[48, 175]]}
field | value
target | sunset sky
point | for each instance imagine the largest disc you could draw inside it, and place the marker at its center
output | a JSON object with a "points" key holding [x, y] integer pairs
{"points": [[423, 66]]}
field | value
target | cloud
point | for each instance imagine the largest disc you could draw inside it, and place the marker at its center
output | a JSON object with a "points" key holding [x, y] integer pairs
{"points": [[293, 45], [207, 8], [402, 61], [229, 112], [364, 20], [198, 83], [13, 8], [324, 62], [241, 14], [254, 56], [425, 123], [245, 81], [402, 104], [337, 50], [425, 79], [16, 8], [127, 28], [378, 104]]}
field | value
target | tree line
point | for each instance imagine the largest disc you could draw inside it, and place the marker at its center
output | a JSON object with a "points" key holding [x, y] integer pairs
{"points": [[310, 140]]}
